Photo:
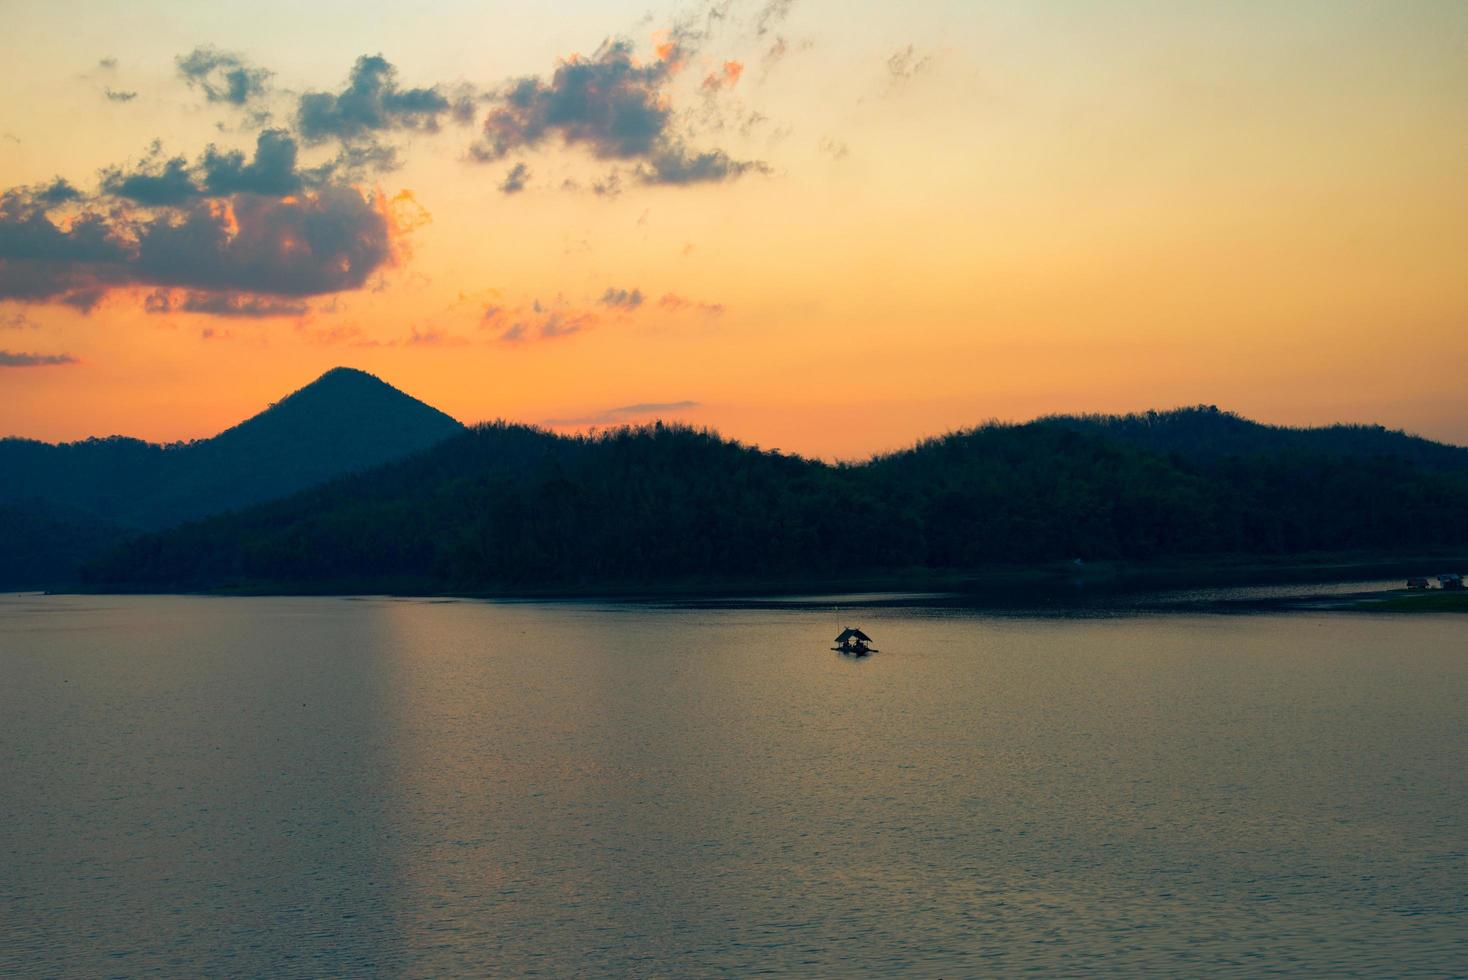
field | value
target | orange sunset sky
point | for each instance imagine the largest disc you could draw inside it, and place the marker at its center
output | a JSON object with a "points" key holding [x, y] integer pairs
{"points": [[829, 227]]}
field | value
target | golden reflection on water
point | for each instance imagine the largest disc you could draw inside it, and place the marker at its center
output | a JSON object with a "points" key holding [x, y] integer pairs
{"points": [[308, 786]]}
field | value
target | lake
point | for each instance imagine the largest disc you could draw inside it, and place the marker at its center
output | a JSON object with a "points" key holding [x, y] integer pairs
{"points": [[300, 787]]}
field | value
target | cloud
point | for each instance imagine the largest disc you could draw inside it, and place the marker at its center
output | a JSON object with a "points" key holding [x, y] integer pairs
{"points": [[433, 337], [155, 182], [725, 78], [621, 299], [609, 186], [771, 15], [272, 170], [107, 64], [675, 164], [608, 103], [17, 321], [58, 191], [223, 76], [539, 321], [514, 181], [834, 148], [372, 102], [905, 64], [222, 304], [10, 360], [623, 413], [319, 241], [349, 335], [673, 303], [115, 95], [613, 106]]}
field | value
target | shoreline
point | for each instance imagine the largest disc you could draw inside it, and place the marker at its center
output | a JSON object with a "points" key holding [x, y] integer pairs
{"points": [[1039, 587]]}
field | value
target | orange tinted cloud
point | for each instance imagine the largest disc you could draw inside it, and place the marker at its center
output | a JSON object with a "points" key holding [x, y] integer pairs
{"points": [[727, 77]]}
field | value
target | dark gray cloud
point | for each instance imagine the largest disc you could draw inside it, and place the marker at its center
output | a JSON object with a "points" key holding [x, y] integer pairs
{"points": [[622, 299], [372, 102], [624, 413], [676, 164], [516, 179], [608, 103], [115, 95], [223, 76], [613, 106], [156, 181], [272, 170], [355, 160], [160, 182], [223, 304], [325, 242], [57, 192], [12, 360], [107, 64], [322, 241]]}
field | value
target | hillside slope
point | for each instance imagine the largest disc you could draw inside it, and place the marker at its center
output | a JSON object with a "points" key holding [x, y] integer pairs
{"points": [[503, 507], [99, 489]]}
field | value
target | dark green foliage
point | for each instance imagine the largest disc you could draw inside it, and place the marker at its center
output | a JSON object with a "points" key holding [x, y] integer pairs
{"points": [[44, 545], [505, 507]]}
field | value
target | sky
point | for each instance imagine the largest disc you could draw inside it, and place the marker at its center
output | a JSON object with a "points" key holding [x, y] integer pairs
{"points": [[827, 227]]}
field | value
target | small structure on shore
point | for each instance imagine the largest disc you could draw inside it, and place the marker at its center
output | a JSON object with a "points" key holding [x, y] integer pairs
{"points": [[853, 643], [1418, 582], [1452, 583]]}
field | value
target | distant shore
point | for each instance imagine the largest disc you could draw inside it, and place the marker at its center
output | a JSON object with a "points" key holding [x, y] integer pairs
{"points": [[1040, 585]]}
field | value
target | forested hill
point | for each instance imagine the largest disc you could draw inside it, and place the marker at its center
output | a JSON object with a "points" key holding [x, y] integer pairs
{"points": [[505, 507], [1205, 433], [344, 421], [59, 502]]}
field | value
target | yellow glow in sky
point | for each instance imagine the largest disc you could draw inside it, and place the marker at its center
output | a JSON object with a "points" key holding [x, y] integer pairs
{"points": [[833, 230]]}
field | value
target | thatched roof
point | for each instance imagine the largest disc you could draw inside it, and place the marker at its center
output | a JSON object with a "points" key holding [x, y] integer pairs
{"points": [[852, 634]]}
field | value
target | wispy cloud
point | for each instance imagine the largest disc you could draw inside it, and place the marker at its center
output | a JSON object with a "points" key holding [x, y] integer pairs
{"points": [[624, 413], [621, 299], [222, 304], [222, 75], [516, 179], [907, 63], [673, 303], [13, 360]]}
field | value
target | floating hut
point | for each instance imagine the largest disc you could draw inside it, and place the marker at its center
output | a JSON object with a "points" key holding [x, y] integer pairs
{"points": [[853, 643]]}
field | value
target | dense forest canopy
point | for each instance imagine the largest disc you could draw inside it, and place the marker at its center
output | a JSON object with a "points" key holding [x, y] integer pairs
{"points": [[502, 506]]}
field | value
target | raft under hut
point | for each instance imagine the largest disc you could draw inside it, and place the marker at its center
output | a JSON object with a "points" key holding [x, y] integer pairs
{"points": [[853, 643]]}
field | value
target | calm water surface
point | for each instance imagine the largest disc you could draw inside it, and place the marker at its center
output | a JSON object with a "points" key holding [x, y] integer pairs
{"points": [[207, 787]]}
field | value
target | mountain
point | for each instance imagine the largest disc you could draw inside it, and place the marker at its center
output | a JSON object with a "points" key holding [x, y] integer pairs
{"points": [[88, 494], [504, 508]]}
